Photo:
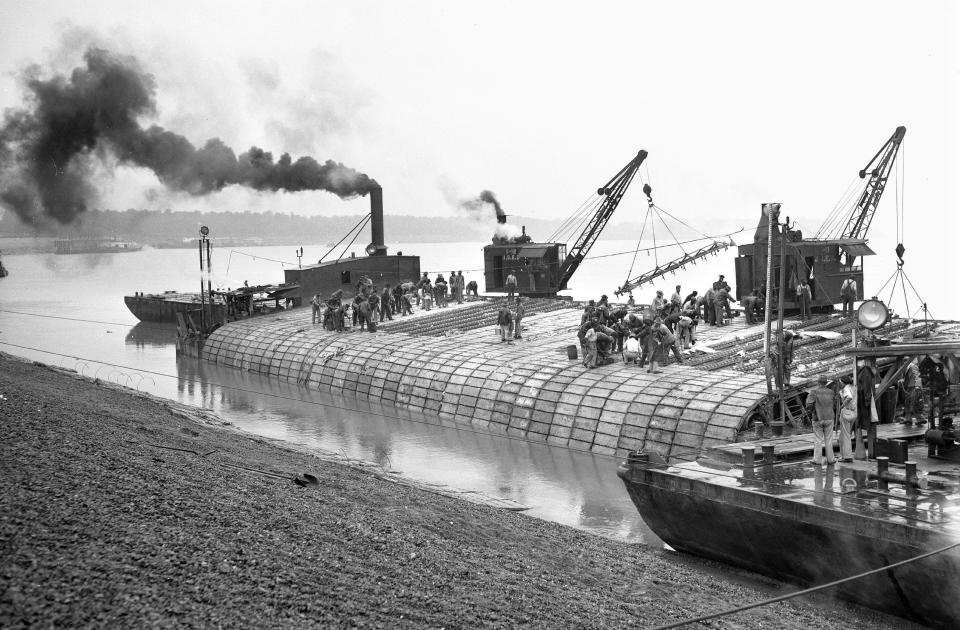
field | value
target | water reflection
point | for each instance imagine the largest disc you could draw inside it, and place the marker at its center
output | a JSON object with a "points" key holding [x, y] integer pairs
{"points": [[573, 488], [152, 335]]}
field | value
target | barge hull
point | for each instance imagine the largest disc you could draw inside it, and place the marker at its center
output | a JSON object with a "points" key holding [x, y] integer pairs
{"points": [[148, 308], [803, 543]]}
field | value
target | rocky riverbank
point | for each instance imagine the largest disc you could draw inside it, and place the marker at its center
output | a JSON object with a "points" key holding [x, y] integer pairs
{"points": [[119, 510]]}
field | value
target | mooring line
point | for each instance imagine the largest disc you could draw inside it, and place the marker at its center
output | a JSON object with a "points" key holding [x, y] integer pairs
{"points": [[813, 589]]}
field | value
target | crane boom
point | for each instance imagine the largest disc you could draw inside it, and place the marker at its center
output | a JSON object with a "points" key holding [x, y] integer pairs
{"points": [[677, 263], [611, 192], [863, 212]]}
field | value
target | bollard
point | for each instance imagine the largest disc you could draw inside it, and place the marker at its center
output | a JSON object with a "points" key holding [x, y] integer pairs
{"points": [[767, 453], [758, 429], [911, 468], [776, 428], [748, 454], [883, 463]]}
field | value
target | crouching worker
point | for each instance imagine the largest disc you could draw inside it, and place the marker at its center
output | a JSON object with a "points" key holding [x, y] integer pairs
{"points": [[631, 350], [687, 331]]}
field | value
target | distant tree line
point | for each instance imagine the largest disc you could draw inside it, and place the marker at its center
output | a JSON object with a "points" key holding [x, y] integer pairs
{"points": [[168, 227]]}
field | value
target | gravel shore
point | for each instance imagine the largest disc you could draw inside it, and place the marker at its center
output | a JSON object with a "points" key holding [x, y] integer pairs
{"points": [[118, 510]]}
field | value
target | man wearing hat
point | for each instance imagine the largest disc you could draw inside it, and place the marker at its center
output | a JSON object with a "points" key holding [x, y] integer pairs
{"points": [[823, 401], [721, 284]]}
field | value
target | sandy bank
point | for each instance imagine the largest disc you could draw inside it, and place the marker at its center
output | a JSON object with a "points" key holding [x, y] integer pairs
{"points": [[103, 522]]}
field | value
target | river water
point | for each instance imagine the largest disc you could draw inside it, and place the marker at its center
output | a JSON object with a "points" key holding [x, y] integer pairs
{"points": [[68, 310]]}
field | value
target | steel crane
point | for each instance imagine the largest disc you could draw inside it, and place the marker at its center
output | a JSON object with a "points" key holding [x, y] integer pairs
{"points": [[611, 194]]}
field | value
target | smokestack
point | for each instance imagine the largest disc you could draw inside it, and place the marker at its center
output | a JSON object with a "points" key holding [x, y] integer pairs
{"points": [[376, 248], [523, 230]]}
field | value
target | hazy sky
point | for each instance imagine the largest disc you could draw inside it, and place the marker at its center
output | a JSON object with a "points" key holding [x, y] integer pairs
{"points": [[737, 102]]}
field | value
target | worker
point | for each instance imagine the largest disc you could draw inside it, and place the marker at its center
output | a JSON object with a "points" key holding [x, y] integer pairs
{"points": [[721, 304], [782, 363], [631, 350], [687, 331], [582, 338], [605, 343], [937, 386], [511, 285], [357, 299], [823, 401], [689, 306], [848, 293], [913, 393], [460, 287], [848, 417], [406, 304], [709, 307], [721, 284], [653, 348], [668, 340], [630, 301], [386, 297], [420, 284], [647, 346], [590, 346], [658, 305], [472, 288], [315, 305], [676, 301], [803, 298], [505, 321], [750, 307], [518, 313]]}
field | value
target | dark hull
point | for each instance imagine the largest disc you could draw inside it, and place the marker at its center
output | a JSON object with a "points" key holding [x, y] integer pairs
{"points": [[804, 543], [154, 308]]}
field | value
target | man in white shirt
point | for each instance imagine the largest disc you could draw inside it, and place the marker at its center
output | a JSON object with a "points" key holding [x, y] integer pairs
{"points": [[631, 350]]}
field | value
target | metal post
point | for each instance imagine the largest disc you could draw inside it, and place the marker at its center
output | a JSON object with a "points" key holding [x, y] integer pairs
{"points": [[209, 282], [780, 296], [772, 211], [203, 303]]}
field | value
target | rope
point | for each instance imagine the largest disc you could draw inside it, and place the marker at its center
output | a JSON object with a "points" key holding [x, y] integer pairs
{"points": [[672, 235], [814, 589], [355, 236], [680, 221], [282, 262], [72, 319], [349, 232], [636, 251]]}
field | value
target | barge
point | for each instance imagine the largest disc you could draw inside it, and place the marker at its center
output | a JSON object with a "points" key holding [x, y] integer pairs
{"points": [[764, 506], [221, 306], [94, 246]]}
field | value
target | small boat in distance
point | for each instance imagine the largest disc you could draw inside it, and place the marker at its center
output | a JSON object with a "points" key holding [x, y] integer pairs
{"points": [[94, 246], [3, 270]]}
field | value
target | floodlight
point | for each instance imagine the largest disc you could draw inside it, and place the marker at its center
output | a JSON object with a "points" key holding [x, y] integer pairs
{"points": [[873, 314], [371, 249], [204, 230]]}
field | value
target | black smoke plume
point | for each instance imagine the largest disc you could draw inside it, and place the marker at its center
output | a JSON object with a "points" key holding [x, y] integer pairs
{"points": [[485, 198], [46, 149], [504, 233]]}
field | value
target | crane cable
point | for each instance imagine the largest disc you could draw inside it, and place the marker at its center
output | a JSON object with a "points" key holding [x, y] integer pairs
{"points": [[576, 216], [833, 224]]}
